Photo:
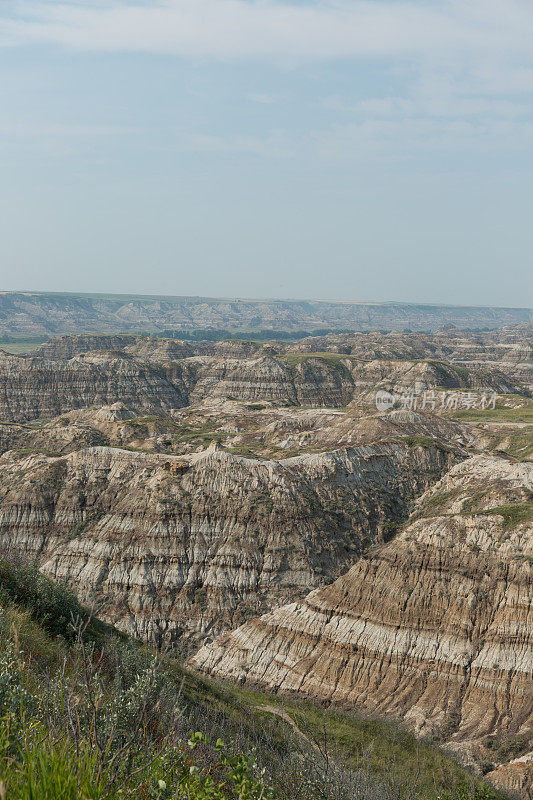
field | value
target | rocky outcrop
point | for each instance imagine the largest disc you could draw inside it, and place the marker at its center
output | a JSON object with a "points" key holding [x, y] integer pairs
{"points": [[312, 381], [105, 479], [317, 429], [515, 777], [156, 376], [36, 387], [142, 348], [172, 548], [62, 348], [508, 351], [435, 627]]}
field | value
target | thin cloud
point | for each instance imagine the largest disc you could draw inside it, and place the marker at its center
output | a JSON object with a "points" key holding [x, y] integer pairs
{"points": [[464, 68], [231, 29]]}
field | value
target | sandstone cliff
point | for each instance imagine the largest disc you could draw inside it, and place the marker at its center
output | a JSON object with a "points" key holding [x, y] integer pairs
{"points": [[32, 387], [171, 547], [160, 375], [435, 627]]}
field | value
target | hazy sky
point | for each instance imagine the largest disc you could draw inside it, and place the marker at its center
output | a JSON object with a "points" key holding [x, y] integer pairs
{"points": [[357, 150]]}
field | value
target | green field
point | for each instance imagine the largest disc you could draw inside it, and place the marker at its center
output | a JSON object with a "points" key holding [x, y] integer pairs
{"points": [[20, 348], [12, 344], [502, 414]]}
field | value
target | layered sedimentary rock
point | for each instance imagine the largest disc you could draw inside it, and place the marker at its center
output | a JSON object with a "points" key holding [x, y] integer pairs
{"points": [[106, 480], [168, 546], [515, 777], [508, 352], [37, 387], [53, 439], [435, 627], [316, 429], [313, 381], [147, 348], [156, 376]]}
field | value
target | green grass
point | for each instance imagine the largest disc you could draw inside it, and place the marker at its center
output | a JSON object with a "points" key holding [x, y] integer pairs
{"points": [[426, 441], [19, 348], [373, 742], [201, 434], [434, 503], [30, 451], [514, 415], [460, 371], [36, 768], [513, 514], [516, 442], [521, 445], [51, 605], [41, 757], [250, 449]]}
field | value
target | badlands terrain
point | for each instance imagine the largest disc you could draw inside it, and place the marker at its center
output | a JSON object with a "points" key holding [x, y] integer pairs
{"points": [[249, 506]]}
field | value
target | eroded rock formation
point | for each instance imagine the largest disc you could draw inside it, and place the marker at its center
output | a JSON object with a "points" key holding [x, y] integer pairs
{"points": [[435, 627], [196, 546], [158, 375], [186, 488]]}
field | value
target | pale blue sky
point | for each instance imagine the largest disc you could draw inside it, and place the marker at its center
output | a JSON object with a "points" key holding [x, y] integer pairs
{"points": [[375, 150]]}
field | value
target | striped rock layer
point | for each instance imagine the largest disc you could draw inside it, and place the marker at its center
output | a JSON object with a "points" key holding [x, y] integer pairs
{"points": [[172, 548], [434, 627]]}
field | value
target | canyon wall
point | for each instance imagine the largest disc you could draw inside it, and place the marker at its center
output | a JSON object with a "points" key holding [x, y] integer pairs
{"points": [[174, 547], [434, 627]]}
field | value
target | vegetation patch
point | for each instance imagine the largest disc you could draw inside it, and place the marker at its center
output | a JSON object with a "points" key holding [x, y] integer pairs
{"points": [[513, 514], [460, 371], [438, 501], [332, 359], [86, 712], [19, 347], [499, 414], [426, 441], [202, 433], [518, 443]]}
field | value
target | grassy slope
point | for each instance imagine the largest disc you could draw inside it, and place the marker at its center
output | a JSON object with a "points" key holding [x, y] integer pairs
{"points": [[39, 612], [503, 414], [507, 429], [517, 442], [19, 348]]}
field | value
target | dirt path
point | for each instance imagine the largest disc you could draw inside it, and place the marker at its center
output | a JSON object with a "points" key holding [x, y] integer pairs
{"points": [[279, 712]]}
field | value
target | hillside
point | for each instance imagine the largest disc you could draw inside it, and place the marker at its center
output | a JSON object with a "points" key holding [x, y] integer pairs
{"points": [[167, 556], [86, 712], [152, 375], [449, 645], [35, 313], [214, 496]]}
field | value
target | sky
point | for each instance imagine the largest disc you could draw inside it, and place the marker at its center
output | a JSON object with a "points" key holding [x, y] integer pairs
{"points": [[362, 150]]}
